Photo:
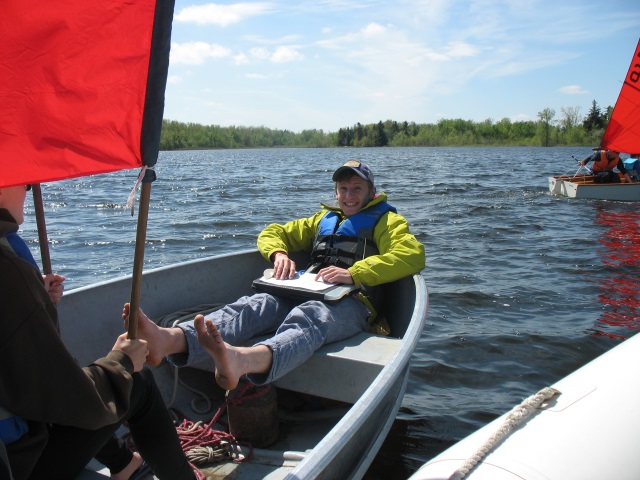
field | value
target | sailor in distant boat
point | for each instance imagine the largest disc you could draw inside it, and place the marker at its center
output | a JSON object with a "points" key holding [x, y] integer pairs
{"points": [[360, 240], [604, 161], [632, 164]]}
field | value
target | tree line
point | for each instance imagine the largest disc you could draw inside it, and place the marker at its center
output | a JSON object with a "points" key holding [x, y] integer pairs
{"points": [[568, 129]]}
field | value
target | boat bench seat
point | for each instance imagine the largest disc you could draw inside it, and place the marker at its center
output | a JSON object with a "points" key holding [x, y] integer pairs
{"points": [[342, 370]]}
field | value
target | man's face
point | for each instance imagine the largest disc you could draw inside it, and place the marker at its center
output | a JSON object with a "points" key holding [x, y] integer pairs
{"points": [[353, 194], [12, 198]]}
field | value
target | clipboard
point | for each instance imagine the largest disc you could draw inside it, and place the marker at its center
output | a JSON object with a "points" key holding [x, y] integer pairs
{"points": [[302, 286]]}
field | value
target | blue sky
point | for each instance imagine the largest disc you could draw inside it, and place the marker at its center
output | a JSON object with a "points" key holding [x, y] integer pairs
{"points": [[327, 64]]}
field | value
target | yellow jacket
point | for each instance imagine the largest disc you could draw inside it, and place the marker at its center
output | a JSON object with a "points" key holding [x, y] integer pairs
{"points": [[401, 254]]}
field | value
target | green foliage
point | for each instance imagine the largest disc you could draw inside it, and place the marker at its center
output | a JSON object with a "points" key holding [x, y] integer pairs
{"points": [[544, 125], [568, 130], [596, 120]]}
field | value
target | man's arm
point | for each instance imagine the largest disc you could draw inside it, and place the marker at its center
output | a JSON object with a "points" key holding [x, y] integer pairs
{"points": [[624, 172], [401, 254], [590, 158], [294, 236]]}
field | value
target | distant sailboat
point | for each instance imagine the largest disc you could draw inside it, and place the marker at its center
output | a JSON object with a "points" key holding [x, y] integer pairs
{"points": [[623, 131], [622, 135]]}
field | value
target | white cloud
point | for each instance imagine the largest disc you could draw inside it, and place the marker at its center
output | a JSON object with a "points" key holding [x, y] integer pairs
{"points": [[174, 79], [283, 54], [221, 15], [241, 59], [262, 40], [195, 53], [459, 49], [573, 90], [257, 76], [286, 54], [260, 53], [373, 29], [262, 76]]}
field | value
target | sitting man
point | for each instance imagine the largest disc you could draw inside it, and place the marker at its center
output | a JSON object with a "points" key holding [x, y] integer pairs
{"points": [[604, 161], [359, 240], [632, 165]]}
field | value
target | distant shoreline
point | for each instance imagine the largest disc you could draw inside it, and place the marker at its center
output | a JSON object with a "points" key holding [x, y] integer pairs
{"points": [[446, 133]]}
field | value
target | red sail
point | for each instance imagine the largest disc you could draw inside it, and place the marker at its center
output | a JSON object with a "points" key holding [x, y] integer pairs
{"points": [[623, 131], [81, 86]]}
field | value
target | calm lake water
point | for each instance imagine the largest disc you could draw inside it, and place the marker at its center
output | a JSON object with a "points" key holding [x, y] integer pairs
{"points": [[524, 287]]}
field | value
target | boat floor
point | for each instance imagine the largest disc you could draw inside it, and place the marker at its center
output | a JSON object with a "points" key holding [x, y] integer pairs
{"points": [[303, 422]]}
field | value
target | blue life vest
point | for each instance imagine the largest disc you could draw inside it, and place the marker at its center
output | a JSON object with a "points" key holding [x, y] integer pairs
{"points": [[632, 164], [12, 428], [343, 244], [20, 248]]}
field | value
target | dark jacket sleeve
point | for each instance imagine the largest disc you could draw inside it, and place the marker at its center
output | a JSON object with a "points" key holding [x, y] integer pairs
{"points": [[621, 167], [39, 378], [591, 157]]}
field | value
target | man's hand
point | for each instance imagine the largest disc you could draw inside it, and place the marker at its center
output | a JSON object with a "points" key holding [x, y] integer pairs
{"points": [[53, 285], [135, 349], [283, 266], [335, 274]]}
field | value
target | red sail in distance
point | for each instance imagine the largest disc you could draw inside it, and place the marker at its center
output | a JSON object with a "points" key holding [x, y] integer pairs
{"points": [[623, 131], [73, 84]]}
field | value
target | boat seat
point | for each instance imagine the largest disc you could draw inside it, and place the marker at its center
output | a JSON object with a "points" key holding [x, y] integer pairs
{"points": [[342, 370]]}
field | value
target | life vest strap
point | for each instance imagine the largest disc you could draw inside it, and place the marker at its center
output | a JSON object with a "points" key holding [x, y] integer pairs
{"points": [[367, 303]]}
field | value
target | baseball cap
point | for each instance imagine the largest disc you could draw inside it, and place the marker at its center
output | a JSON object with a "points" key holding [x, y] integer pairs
{"points": [[362, 169]]}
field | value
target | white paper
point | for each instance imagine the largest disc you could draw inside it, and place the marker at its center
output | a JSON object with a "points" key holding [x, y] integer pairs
{"points": [[306, 280]]}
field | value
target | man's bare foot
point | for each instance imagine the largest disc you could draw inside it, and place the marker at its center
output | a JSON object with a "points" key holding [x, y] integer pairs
{"points": [[224, 355], [134, 464], [151, 332]]}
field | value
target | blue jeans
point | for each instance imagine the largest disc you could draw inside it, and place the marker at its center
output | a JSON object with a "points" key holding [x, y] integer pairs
{"points": [[301, 327]]}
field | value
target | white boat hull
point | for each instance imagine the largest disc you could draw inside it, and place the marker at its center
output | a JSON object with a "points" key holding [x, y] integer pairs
{"points": [[589, 431], [583, 187]]}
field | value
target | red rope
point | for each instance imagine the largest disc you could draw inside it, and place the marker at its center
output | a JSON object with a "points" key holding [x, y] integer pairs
{"points": [[190, 432], [196, 471], [195, 435]]}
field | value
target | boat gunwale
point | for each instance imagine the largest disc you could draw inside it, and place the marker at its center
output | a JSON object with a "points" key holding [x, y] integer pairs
{"points": [[329, 447], [155, 270]]}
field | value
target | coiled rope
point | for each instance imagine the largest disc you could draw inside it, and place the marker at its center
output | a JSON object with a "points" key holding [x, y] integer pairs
{"points": [[518, 416], [202, 444]]}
